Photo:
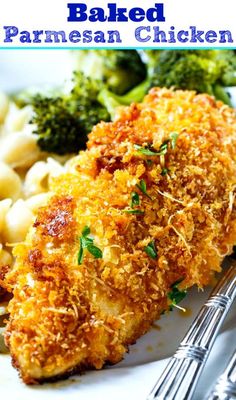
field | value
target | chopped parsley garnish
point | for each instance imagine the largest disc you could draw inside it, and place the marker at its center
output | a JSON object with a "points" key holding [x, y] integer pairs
{"points": [[146, 151], [137, 212], [151, 250], [164, 148], [176, 295], [135, 201], [87, 243], [85, 231], [143, 187], [149, 151], [95, 251], [165, 171]]}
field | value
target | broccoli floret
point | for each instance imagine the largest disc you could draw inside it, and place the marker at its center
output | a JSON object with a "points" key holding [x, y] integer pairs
{"points": [[63, 122], [205, 71], [227, 59], [120, 70], [24, 97], [200, 70], [185, 71], [57, 128], [83, 101]]}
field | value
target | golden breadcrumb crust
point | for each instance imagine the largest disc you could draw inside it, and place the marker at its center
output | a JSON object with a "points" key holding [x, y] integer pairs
{"points": [[64, 315]]}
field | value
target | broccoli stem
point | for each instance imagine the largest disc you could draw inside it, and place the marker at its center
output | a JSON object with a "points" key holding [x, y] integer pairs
{"points": [[111, 101], [221, 94], [135, 95]]}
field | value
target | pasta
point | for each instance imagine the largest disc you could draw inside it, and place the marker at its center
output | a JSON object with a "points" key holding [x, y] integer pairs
{"points": [[10, 183], [17, 222], [17, 118], [39, 200], [19, 149], [4, 107], [38, 176], [4, 207], [36, 180], [5, 257]]}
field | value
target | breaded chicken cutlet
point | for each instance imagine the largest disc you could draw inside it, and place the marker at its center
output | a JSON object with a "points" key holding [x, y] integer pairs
{"points": [[150, 202]]}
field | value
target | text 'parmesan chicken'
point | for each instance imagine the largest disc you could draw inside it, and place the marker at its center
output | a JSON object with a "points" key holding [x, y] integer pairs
{"points": [[148, 204]]}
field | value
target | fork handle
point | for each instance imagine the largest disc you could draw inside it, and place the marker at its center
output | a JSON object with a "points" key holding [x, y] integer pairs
{"points": [[180, 377]]}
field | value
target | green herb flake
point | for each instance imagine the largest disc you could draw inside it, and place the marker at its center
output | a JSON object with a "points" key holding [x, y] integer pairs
{"points": [[137, 212], [165, 171], [81, 253], [163, 148], [151, 250], [176, 295], [94, 250], [87, 243], [146, 151], [143, 187], [135, 201], [173, 139], [85, 231]]}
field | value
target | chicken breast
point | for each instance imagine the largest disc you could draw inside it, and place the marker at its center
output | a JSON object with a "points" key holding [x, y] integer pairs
{"points": [[151, 202]]}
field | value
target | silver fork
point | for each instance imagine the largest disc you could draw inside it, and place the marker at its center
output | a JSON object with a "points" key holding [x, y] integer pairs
{"points": [[225, 387], [180, 377]]}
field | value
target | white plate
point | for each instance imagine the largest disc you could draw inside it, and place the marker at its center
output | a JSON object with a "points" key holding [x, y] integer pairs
{"points": [[134, 377]]}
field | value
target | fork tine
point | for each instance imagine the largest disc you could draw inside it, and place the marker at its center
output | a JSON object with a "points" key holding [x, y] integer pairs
{"points": [[225, 387], [180, 377]]}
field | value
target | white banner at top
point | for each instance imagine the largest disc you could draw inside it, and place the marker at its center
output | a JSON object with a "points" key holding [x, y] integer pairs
{"points": [[117, 24]]}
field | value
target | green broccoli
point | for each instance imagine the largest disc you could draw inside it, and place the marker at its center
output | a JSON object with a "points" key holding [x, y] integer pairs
{"points": [[111, 101], [63, 122], [120, 70], [206, 71], [227, 58]]}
